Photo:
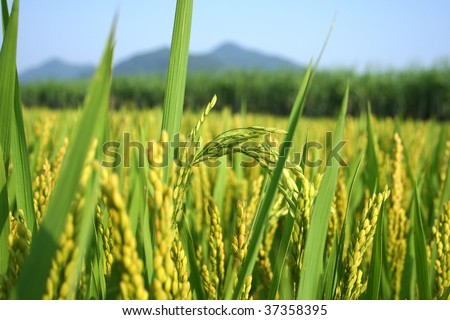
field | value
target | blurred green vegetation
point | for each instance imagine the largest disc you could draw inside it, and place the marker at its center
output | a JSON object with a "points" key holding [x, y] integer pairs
{"points": [[412, 93]]}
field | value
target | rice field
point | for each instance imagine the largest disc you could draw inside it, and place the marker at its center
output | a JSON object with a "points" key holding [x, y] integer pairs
{"points": [[171, 204]]}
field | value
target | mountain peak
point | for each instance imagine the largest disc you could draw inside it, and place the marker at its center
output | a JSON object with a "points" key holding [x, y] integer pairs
{"points": [[227, 56], [57, 69], [228, 46]]}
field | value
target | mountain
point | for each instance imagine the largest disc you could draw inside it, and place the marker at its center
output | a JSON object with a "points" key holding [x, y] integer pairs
{"points": [[226, 57], [57, 69], [240, 58], [151, 62]]}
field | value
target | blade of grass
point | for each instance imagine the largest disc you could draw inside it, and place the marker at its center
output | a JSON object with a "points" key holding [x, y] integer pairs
{"points": [[330, 271], [20, 159], [35, 271], [262, 214], [374, 281], [4, 221], [445, 295], [5, 15], [408, 287], [285, 242], [220, 184], [7, 80], [446, 192], [137, 202], [237, 157], [310, 275], [408, 276], [371, 155], [338, 266], [283, 250], [176, 77], [86, 227], [194, 277], [420, 251], [286, 236], [148, 244]]}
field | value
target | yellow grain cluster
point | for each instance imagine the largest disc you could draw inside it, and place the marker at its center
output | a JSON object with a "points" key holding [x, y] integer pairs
{"points": [[441, 234], [338, 210], [62, 280], [442, 177], [107, 240], [61, 277], [162, 210], [397, 221], [216, 247], [255, 196], [42, 186], [240, 240], [43, 131], [19, 241], [301, 223], [44, 182], [352, 284], [182, 286], [171, 279], [60, 157], [246, 289], [124, 252]]}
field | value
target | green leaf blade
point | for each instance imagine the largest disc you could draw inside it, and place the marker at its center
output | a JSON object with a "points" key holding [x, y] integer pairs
{"points": [[310, 275], [176, 76], [33, 277], [7, 79], [262, 214], [420, 251]]}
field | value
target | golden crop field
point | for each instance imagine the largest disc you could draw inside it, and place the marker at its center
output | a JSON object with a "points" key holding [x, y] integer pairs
{"points": [[136, 252], [171, 204]]}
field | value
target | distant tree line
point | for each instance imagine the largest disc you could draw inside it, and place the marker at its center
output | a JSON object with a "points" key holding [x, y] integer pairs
{"points": [[412, 93]]}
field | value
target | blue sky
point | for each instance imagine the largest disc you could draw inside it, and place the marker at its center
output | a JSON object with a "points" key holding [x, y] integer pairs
{"points": [[374, 34]]}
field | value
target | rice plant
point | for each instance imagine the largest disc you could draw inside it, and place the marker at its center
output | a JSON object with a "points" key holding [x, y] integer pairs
{"points": [[240, 207]]}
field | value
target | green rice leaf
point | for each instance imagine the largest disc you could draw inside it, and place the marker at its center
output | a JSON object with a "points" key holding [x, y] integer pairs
{"points": [[20, 159], [371, 155], [4, 221], [330, 271], [220, 184], [420, 251], [194, 277], [374, 281], [137, 202], [262, 214], [176, 76], [86, 227], [8, 80], [283, 250], [148, 244], [311, 273], [446, 191], [35, 271], [446, 294], [338, 266]]}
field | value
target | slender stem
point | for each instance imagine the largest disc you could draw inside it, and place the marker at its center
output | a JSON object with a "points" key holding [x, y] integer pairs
{"points": [[176, 77]]}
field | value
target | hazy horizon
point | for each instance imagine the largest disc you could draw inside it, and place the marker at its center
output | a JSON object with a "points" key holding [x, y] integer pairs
{"points": [[378, 34]]}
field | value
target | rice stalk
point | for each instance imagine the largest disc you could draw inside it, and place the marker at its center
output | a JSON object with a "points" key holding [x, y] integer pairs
{"points": [[441, 234], [352, 284], [19, 240], [398, 224], [124, 252]]}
